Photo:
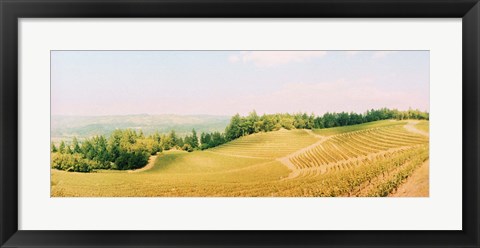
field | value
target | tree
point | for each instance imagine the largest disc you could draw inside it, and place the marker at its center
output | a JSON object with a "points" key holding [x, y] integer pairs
{"points": [[180, 143], [53, 148], [113, 146], [257, 126], [318, 122], [76, 146], [343, 119], [157, 138], [101, 150], [355, 119], [61, 148], [194, 140], [217, 139], [149, 144], [88, 150], [234, 130], [68, 150], [205, 139], [173, 139], [329, 120], [299, 121], [187, 147], [310, 121], [287, 121], [249, 123], [268, 123]]}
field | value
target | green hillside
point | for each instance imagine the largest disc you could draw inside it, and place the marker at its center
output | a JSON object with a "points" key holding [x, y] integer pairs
{"points": [[370, 159], [267, 145]]}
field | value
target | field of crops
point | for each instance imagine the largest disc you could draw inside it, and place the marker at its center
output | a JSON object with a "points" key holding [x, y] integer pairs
{"points": [[346, 148], [267, 145], [371, 159]]}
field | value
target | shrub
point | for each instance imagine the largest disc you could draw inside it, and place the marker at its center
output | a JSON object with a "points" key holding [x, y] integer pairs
{"points": [[72, 162], [187, 147]]}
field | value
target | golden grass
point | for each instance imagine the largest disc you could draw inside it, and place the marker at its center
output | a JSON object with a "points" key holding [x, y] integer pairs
{"points": [[251, 166], [268, 145]]}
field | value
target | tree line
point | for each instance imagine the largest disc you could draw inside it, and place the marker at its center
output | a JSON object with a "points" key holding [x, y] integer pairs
{"points": [[244, 125], [122, 150], [129, 149]]}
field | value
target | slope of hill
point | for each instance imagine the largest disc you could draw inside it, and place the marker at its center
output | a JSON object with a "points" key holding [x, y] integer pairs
{"points": [[267, 145], [362, 160], [354, 146]]}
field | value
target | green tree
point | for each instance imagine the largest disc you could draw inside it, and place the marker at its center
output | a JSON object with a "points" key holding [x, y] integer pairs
{"points": [[166, 142], [205, 139], [318, 122], [53, 148], [157, 139], [101, 151], [310, 123], [217, 139], [287, 121], [234, 130], [194, 140], [343, 119], [299, 121], [187, 147], [268, 123], [329, 120], [88, 149], [173, 139], [113, 146], [61, 148], [180, 142], [68, 150], [76, 145]]}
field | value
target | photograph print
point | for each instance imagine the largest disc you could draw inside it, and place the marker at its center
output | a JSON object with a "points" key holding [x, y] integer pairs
{"points": [[239, 123]]}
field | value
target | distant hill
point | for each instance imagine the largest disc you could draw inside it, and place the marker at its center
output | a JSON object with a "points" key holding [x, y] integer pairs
{"points": [[65, 127]]}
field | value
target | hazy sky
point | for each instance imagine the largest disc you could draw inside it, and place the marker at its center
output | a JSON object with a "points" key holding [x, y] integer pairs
{"points": [[229, 82]]}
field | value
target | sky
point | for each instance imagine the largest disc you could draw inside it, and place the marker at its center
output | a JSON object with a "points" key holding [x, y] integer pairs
{"points": [[92, 83]]}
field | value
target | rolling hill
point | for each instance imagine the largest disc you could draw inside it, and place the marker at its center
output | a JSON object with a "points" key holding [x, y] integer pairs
{"points": [[371, 159]]}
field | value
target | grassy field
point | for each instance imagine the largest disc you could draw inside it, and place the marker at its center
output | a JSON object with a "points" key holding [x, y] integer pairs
{"points": [[267, 145], [372, 159], [364, 126]]}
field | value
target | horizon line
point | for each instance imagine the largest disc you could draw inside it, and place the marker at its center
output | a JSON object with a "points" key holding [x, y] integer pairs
{"points": [[229, 115]]}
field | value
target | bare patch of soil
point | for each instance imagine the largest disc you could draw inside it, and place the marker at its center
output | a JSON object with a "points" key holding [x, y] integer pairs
{"points": [[411, 128], [417, 185]]}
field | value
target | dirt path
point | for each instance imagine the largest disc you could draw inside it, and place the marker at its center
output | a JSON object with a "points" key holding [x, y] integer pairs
{"points": [[318, 136], [286, 160], [411, 128], [150, 164], [417, 185]]}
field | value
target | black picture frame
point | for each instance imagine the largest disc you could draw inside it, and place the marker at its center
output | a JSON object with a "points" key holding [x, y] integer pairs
{"points": [[12, 10]]}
